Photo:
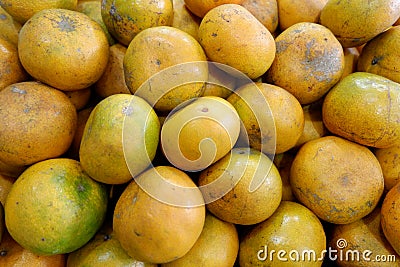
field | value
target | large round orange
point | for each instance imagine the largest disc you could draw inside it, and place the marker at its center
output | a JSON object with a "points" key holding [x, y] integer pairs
{"points": [[63, 48]]}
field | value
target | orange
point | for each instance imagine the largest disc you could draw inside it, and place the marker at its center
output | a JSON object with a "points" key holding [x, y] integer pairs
{"points": [[353, 241], [124, 19], [309, 61], [120, 139], [38, 123], [184, 19], [340, 181], [292, 236], [200, 8], [22, 10], [9, 27], [354, 23], [283, 163], [231, 35], [244, 187], [295, 11], [63, 48], [217, 245], [266, 11], [313, 124], [79, 98], [389, 159], [6, 183], [92, 8], [380, 55], [390, 213], [112, 81], [83, 116], [364, 108], [103, 250], [200, 133], [159, 216], [162, 65], [13, 254], [11, 70], [54, 207]]}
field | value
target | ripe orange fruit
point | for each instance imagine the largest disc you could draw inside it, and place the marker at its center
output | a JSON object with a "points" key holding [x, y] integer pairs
{"points": [[54, 207], [155, 68], [38, 123], [113, 79], [231, 35], [11, 70], [63, 48], [103, 249], [340, 181], [266, 11], [13, 254], [244, 187], [125, 19], [364, 108], [200, 8], [309, 60], [200, 133], [22, 10], [389, 159], [292, 229], [359, 237], [217, 245], [9, 27], [120, 139], [390, 213], [159, 216]]}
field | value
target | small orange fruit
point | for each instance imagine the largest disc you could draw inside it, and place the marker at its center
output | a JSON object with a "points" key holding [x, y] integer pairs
{"points": [[362, 242], [54, 207], [266, 11], [292, 236], [13, 254], [159, 216], [125, 19], [340, 181], [113, 79], [217, 245], [38, 123], [9, 27], [365, 108], [103, 249], [63, 48], [309, 61], [389, 159], [244, 187], [22, 10], [11, 70], [231, 35], [200, 8], [390, 213]]}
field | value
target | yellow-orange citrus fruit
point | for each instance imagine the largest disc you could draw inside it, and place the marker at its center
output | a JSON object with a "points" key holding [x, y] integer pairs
{"points": [[231, 35], [244, 187], [124, 19], [54, 207], [63, 48], [309, 60], [340, 181], [159, 216], [22, 10], [38, 123], [364, 108]]}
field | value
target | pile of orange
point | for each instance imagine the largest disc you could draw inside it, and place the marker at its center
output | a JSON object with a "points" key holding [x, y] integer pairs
{"points": [[199, 133]]}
